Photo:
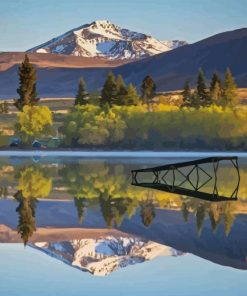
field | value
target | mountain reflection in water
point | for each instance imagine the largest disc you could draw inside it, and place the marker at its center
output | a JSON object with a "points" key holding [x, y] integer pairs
{"points": [[97, 195]]}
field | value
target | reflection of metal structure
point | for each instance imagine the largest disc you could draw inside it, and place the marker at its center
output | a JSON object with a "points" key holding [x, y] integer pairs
{"points": [[161, 182]]}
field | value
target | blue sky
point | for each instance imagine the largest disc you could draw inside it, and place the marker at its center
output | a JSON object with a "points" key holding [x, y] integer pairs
{"points": [[25, 271], [26, 23]]}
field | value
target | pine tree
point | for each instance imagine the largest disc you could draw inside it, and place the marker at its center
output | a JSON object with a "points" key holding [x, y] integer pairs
{"points": [[131, 97], [202, 90], [148, 89], [80, 204], [229, 97], [195, 102], [185, 211], [147, 212], [200, 216], [121, 89], [27, 85], [109, 91], [82, 94], [186, 95], [216, 89], [26, 210]]}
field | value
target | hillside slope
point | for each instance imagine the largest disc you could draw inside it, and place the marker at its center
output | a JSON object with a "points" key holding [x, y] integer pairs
{"points": [[170, 69]]}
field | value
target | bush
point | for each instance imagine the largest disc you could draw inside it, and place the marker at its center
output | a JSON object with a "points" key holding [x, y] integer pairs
{"points": [[167, 128]]}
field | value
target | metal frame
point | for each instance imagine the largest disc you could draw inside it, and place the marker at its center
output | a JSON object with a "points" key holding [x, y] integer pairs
{"points": [[160, 182]]}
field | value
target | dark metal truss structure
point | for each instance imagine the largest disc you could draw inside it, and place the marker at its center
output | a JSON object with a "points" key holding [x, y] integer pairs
{"points": [[160, 181]]}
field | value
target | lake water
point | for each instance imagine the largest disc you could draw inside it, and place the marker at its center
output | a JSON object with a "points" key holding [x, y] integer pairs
{"points": [[74, 225]]}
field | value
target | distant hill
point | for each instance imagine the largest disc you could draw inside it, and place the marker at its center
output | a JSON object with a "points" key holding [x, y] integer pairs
{"points": [[48, 60], [169, 69]]}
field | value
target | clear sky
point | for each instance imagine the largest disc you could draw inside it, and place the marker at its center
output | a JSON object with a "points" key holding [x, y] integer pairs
{"points": [[27, 23], [28, 272]]}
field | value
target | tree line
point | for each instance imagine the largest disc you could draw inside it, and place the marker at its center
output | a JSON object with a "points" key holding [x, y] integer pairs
{"points": [[219, 93], [117, 118], [114, 90], [103, 185]]}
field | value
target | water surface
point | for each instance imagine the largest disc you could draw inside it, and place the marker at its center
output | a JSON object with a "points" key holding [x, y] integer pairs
{"points": [[84, 226]]}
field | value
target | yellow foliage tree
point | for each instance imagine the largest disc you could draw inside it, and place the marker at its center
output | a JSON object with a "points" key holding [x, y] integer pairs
{"points": [[34, 184], [34, 121]]}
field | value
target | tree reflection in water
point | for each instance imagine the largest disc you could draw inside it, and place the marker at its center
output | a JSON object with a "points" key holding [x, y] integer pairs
{"points": [[107, 186], [216, 212], [32, 184]]}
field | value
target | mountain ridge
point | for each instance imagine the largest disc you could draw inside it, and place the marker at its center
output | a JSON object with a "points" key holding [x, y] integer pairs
{"points": [[103, 256], [106, 40], [169, 69]]}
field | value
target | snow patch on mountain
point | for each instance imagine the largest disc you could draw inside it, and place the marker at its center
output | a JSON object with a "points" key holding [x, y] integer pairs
{"points": [[106, 40], [104, 255]]}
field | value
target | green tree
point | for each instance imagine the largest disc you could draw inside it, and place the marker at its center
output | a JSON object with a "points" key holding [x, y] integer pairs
{"points": [[131, 97], [109, 91], [229, 217], [200, 216], [121, 90], [147, 212], [187, 102], [148, 89], [34, 121], [33, 183], [81, 206], [90, 125], [216, 89], [214, 216], [94, 98], [229, 97], [27, 85], [202, 94], [195, 101], [82, 94], [185, 211], [26, 223]]}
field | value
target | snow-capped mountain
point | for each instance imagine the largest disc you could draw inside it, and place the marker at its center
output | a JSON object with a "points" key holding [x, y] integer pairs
{"points": [[106, 40], [105, 255]]}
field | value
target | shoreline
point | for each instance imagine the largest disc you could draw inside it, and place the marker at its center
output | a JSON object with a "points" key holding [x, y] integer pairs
{"points": [[119, 154]]}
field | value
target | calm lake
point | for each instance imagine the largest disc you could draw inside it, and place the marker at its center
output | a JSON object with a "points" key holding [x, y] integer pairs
{"points": [[77, 225]]}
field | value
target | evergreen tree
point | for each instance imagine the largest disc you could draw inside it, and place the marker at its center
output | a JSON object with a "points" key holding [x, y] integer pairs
{"points": [[216, 89], [202, 90], [195, 102], [81, 206], [109, 91], [200, 216], [27, 85], [229, 218], [94, 98], [229, 97], [148, 89], [121, 90], [186, 95], [147, 212], [82, 94], [26, 210], [185, 211], [131, 97], [214, 216]]}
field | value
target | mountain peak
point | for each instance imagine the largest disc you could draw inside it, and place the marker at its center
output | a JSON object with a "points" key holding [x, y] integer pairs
{"points": [[105, 255], [104, 39]]}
